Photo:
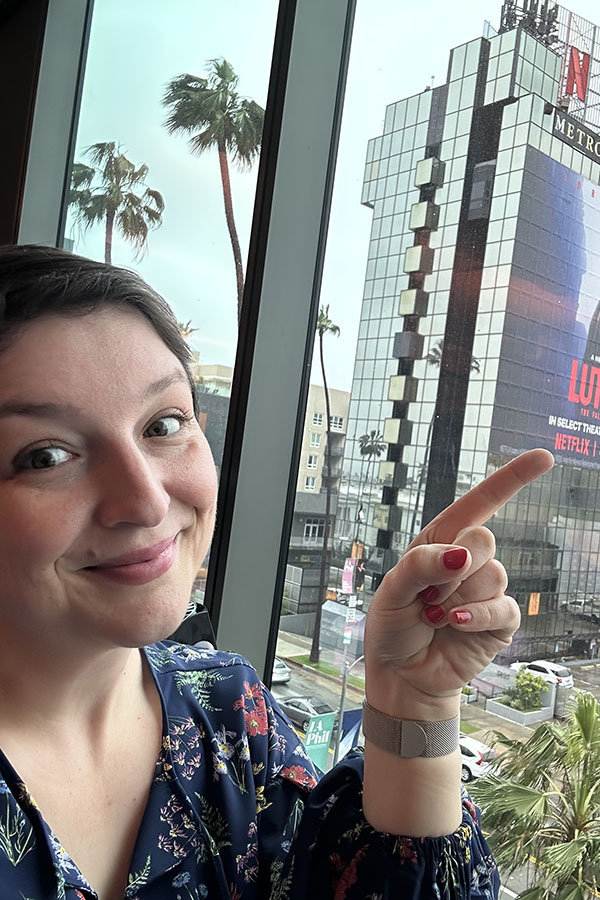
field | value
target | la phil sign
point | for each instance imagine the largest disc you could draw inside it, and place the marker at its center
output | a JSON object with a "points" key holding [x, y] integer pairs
{"points": [[575, 133]]}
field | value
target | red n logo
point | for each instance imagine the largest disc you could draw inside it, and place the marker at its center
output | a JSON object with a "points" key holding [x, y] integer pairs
{"points": [[578, 73]]}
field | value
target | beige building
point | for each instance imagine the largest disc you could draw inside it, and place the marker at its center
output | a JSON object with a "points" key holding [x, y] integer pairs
{"points": [[314, 442], [215, 378]]}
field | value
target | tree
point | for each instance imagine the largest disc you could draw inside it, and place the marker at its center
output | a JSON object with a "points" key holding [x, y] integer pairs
{"points": [[113, 198], [213, 113], [186, 330], [324, 326], [543, 803], [526, 692], [434, 358], [371, 444]]}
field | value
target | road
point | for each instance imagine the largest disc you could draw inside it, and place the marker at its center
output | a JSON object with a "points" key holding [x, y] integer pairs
{"points": [[304, 682], [307, 683]]}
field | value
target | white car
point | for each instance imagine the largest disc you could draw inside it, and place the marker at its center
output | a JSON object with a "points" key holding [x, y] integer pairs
{"points": [[553, 673], [583, 605], [476, 758], [281, 672]]}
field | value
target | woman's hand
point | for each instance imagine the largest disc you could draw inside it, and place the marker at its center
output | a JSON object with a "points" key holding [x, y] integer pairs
{"points": [[441, 614]]}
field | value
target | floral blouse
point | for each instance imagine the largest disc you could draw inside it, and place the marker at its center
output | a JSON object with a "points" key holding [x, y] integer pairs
{"points": [[235, 812]]}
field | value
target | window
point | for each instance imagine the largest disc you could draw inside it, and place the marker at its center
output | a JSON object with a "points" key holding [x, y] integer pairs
{"points": [[314, 528], [312, 461], [315, 439], [336, 423], [309, 483], [124, 108], [317, 419]]}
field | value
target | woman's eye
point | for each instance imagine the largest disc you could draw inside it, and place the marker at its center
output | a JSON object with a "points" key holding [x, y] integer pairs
{"points": [[165, 426], [44, 458]]}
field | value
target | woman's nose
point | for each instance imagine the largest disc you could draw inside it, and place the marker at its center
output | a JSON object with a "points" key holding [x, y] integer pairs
{"points": [[132, 490]]}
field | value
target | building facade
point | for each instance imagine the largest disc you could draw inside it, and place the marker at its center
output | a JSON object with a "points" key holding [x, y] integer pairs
{"points": [[303, 572], [479, 334]]}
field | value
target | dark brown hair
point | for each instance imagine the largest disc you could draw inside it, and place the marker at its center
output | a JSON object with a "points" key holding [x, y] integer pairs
{"points": [[39, 281]]}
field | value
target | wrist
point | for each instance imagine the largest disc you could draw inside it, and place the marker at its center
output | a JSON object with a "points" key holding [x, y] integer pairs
{"points": [[401, 700], [410, 738]]}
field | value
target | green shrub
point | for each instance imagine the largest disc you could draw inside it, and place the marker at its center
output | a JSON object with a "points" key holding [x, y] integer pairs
{"points": [[524, 695]]}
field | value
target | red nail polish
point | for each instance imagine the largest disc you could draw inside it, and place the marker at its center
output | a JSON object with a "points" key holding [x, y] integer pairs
{"points": [[434, 613], [455, 559], [461, 616], [430, 594]]}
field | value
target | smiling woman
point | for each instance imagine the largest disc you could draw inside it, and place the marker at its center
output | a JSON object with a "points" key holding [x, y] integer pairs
{"points": [[179, 761]]}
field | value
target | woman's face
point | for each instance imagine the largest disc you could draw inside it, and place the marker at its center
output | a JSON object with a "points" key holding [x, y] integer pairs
{"points": [[107, 484]]}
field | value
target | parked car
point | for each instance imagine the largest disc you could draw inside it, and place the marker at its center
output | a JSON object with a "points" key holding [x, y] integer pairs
{"points": [[281, 672], [301, 709], [476, 758], [584, 605], [553, 673]]}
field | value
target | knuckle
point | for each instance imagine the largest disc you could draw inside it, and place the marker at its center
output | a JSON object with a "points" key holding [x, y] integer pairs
{"points": [[498, 573], [479, 538]]}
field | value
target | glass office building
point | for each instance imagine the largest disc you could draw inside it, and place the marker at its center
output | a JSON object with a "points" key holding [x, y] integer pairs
{"points": [[479, 334]]}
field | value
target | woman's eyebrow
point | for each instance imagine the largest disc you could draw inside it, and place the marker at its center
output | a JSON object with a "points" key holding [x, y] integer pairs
{"points": [[157, 387], [36, 410], [50, 410]]}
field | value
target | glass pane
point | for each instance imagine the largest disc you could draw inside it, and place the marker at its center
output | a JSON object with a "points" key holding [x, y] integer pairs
{"points": [[527, 303], [157, 185], [152, 186]]}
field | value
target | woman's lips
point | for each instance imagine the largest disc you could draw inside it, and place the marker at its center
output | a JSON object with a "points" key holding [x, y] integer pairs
{"points": [[141, 566]]}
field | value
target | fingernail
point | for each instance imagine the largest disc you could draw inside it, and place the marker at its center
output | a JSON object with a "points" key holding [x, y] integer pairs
{"points": [[430, 594], [434, 613], [461, 616], [455, 559]]}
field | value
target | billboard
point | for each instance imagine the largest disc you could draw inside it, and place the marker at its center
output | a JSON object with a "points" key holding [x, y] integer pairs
{"points": [[548, 384]]}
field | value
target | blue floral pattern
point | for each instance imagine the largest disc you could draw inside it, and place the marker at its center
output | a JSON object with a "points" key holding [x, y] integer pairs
{"points": [[235, 811]]}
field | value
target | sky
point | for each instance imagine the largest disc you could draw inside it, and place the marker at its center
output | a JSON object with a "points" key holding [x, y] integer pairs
{"points": [[137, 47]]}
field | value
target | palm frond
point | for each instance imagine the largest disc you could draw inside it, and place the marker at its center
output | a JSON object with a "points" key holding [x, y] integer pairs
{"points": [[82, 175], [563, 859], [538, 892]]}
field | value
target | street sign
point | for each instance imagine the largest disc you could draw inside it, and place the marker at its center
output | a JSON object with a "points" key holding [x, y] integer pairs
{"points": [[318, 739], [347, 634], [348, 575]]}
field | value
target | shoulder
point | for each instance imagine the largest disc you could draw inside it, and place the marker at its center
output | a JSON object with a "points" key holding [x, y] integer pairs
{"points": [[216, 684], [169, 657]]}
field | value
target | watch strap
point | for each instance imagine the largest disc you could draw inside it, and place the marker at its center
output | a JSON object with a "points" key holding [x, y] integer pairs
{"points": [[410, 737]]}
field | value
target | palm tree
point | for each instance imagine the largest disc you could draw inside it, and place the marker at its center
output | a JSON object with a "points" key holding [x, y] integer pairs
{"points": [[186, 330], [113, 199], [213, 113], [434, 358], [371, 444], [324, 326], [544, 804]]}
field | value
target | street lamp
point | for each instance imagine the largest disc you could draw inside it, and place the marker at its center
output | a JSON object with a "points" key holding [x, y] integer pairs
{"points": [[347, 668]]}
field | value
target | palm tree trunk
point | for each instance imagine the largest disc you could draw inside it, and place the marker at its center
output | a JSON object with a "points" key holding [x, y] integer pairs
{"points": [[108, 236], [233, 236], [324, 572], [360, 505]]}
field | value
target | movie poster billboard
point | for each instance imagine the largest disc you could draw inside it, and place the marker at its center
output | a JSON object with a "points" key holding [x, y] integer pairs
{"points": [[548, 387]]}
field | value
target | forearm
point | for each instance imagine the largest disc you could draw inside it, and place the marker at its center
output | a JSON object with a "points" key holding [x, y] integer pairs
{"points": [[415, 797]]}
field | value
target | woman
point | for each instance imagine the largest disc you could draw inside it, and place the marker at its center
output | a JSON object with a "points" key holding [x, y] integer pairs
{"points": [[169, 772]]}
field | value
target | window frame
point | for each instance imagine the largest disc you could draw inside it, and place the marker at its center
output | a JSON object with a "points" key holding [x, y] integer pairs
{"points": [[272, 369]]}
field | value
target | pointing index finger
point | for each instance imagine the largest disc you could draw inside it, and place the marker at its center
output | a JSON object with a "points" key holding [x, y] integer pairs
{"points": [[486, 498]]}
